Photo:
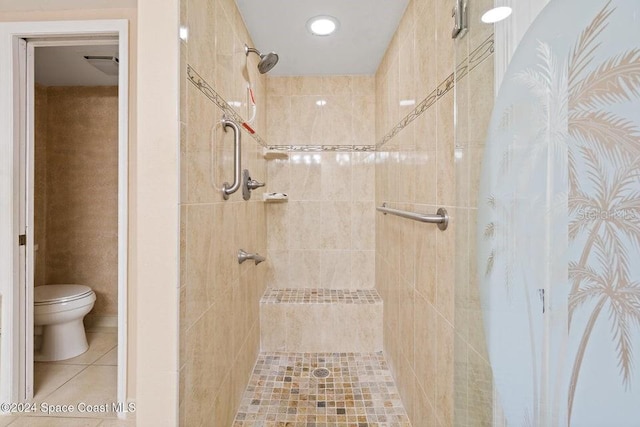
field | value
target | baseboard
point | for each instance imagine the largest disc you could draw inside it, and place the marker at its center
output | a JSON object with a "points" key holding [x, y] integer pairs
{"points": [[101, 321]]}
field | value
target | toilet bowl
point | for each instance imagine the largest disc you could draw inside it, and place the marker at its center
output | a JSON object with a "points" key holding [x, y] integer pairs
{"points": [[59, 310]]}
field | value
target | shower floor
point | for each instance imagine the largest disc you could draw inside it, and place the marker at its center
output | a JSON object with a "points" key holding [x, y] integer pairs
{"points": [[359, 392]]}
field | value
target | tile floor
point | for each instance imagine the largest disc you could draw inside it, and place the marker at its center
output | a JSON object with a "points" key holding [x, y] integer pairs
{"points": [[90, 378], [359, 391]]}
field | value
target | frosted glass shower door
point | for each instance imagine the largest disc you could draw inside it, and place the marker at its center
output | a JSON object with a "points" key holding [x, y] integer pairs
{"points": [[554, 236]]}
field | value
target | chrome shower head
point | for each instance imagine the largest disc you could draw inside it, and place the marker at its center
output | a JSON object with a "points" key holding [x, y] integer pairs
{"points": [[267, 61]]}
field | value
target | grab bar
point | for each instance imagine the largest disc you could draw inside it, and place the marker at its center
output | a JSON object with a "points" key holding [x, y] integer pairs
{"points": [[441, 217], [237, 173]]}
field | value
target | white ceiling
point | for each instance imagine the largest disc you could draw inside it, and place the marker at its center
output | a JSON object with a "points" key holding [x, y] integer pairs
{"points": [[357, 47], [66, 66]]}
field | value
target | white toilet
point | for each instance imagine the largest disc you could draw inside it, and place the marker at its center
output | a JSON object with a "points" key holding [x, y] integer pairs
{"points": [[59, 310]]}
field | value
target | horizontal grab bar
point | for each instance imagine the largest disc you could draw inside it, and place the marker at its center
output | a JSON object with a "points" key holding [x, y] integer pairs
{"points": [[441, 217]]}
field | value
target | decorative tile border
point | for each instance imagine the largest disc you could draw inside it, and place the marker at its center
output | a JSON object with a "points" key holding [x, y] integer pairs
{"points": [[482, 52], [215, 97], [423, 106], [479, 54], [474, 59], [321, 148], [320, 296]]}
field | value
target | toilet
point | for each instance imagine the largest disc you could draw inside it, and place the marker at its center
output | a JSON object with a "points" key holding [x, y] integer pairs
{"points": [[59, 310]]}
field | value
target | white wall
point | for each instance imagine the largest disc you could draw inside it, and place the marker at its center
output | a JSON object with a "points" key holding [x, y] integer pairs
{"points": [[157, 228]]}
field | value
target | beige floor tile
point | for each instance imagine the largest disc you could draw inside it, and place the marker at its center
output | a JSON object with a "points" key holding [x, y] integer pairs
{"points": [[48, 377], [54, 422], [96, 385], [129, 422], [110, 359], [6, 420], [99, 345]]}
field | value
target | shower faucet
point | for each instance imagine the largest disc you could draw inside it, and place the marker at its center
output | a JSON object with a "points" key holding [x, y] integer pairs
{"points": [[243, 256], [249, 184]]}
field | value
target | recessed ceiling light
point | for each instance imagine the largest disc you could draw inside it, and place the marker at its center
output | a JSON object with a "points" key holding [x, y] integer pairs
{"points": [[322, 25], [496, 14], [321, 102]]}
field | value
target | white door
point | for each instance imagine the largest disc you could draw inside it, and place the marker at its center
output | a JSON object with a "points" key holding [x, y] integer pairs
{"points": [[25, 220]]}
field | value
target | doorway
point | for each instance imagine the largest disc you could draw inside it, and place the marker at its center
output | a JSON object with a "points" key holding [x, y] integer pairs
{"points": [[23, 219], [75, 217]]}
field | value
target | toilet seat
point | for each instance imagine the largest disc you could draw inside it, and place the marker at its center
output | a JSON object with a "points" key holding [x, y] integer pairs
{"points": [[60, 294]]}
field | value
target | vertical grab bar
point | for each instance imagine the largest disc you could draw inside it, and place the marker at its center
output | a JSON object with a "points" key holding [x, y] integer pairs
{"points": [[237, 173]]}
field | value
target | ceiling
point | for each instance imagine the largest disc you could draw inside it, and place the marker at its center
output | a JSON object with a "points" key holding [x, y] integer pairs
{"points": [[357, 47], [66, 66]]}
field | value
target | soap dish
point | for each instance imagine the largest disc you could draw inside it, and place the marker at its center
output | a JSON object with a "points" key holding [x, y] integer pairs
{"points": [[274, 154], [275, 197]]}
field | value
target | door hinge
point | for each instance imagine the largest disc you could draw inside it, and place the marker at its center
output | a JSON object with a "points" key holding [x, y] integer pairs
{"points": [[22, 240], [459, 14]]}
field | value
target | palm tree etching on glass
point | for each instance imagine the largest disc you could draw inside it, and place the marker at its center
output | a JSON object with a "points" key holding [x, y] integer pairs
{"points": [[608, 213], [597, 151]]}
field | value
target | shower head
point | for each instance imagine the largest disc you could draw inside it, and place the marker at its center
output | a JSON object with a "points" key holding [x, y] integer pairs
{"points": [[267, 61]]}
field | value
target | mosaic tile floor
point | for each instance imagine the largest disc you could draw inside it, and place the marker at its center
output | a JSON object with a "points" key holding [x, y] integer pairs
{"points": [[359, 391], [321, 296]]}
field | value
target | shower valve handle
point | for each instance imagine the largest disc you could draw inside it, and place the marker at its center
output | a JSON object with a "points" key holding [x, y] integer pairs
{"points": [[249, 184], [253, 184]]}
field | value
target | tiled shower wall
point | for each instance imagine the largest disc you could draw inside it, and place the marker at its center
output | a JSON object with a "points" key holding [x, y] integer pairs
{"points": [[324, 236], [433, 329], [331, 110], [219, 330], [473, 382], [416, 171], [76, 190]]}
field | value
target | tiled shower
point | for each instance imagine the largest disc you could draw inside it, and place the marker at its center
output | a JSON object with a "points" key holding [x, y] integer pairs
{"points": [[369, 297]]}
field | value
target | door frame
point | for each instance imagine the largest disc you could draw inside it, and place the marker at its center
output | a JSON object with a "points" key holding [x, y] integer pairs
{"points": [[13, 137]]}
